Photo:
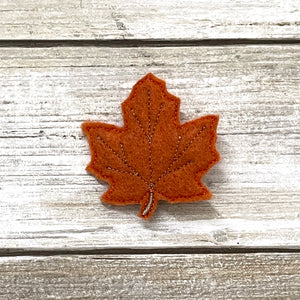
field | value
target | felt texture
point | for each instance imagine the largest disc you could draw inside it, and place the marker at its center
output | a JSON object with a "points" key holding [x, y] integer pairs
{"points": [[153, 156]]}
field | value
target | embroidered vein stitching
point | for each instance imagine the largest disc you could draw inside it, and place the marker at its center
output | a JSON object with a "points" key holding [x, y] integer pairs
{"points": [[151, 133], [177, 146], [149, 137], [157, 118], [150, 201], [176, 157], [174, 170], [134, 172], [189, 143], [139, 122]]}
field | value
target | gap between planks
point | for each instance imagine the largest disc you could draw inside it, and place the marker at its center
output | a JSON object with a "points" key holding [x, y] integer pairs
{"points": [[128, 43], [146, 251]]}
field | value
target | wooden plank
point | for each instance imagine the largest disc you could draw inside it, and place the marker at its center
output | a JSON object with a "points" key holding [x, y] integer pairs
{"points": [[211, 276], [49, 201], [169, 19]]}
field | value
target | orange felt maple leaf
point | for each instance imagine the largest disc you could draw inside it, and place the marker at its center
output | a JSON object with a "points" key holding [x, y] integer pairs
{"points": [[153, 156]]}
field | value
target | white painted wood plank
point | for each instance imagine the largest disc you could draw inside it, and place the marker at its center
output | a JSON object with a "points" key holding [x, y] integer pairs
{"points": [[155, 19], [48, 200], [213, 276]]}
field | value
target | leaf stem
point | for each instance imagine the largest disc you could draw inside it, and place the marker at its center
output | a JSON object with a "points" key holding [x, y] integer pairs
{"points": [[150, 201]]}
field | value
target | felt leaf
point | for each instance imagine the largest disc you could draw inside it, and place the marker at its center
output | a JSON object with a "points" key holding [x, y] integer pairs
{"points": [[153, 156]]}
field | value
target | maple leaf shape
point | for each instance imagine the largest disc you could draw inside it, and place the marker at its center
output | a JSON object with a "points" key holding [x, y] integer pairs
{"points": [[153, 156]]}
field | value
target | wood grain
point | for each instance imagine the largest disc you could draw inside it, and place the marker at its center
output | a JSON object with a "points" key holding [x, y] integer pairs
{"points": [[186, 19], [211, 276], [49, 201]]}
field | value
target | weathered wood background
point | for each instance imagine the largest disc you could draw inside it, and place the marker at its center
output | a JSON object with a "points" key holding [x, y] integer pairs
{"points": [[63, 62]]}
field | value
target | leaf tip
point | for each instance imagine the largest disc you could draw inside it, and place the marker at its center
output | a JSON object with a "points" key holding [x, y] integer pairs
{"points": [[86, 126], [150, 76], [89, 168], [214, 119]]}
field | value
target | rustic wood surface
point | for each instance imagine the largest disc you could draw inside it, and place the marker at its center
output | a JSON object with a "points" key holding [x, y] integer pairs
{"points": [[48, 199], [155, 19], [216, 276], [63, 62]]}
